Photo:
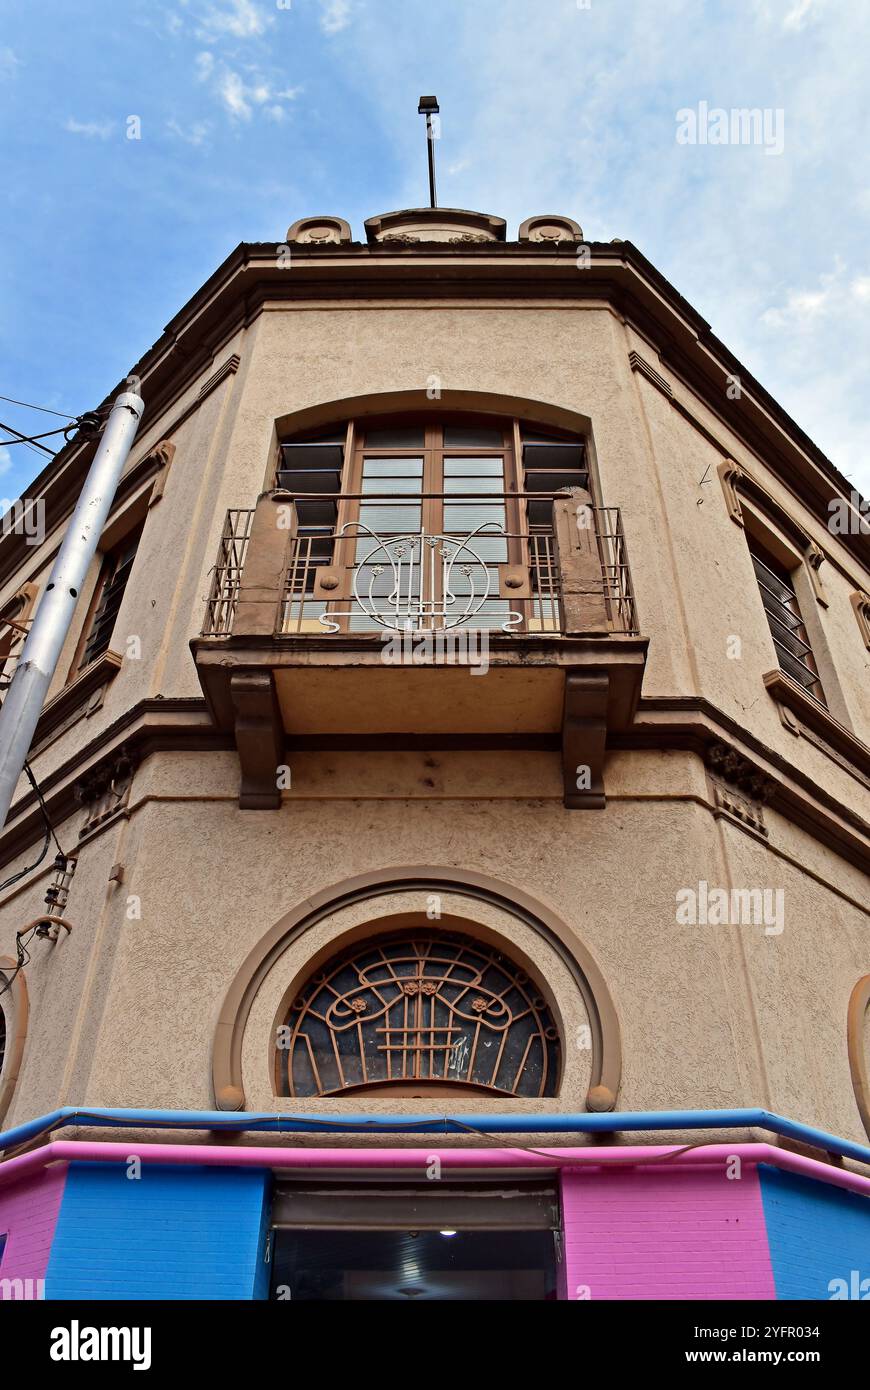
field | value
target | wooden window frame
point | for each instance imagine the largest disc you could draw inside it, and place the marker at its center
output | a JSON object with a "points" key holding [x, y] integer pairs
{"points": [[108, 567], [433, 452]]}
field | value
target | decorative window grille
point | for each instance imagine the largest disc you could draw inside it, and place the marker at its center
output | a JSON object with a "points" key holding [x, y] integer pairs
{"points": [[420, 1010], [787, 629]]}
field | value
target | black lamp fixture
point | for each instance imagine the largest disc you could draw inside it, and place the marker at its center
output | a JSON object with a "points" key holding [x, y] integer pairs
{"points": [[429, 107]]}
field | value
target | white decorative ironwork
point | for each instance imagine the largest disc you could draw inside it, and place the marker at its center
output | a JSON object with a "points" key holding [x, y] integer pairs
{"points": [[422, 595]]}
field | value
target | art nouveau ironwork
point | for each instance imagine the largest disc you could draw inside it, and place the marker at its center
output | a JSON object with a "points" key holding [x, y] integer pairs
{"points": [[417, 582], [420, 1009]]}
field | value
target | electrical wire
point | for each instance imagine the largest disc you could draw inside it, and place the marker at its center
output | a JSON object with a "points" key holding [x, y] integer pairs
{"points": [[21, 941], [31, 438], [22, 439], [44, 408], [42, 806], [35, 865]]}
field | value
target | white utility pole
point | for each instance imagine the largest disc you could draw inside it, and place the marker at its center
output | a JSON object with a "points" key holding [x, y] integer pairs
{"points": [[25, 697]]}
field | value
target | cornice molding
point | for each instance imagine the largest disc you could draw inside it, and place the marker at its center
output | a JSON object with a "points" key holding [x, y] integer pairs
{"points": [[83, 696], [683, 722], [810, 713]]}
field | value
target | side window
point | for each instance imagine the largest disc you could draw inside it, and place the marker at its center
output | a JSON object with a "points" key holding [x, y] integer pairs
{"points": [[117, 564], [14, 623], [787, 629]]}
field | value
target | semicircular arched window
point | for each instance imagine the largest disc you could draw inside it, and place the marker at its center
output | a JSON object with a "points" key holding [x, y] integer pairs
{"points": [[421, 1010]]}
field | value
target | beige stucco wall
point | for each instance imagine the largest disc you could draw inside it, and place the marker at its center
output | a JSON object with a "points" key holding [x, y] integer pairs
{"points": [[123, 1010]]}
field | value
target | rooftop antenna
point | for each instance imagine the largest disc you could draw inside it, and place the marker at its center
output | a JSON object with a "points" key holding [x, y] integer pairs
{"points": [[429, 107]]}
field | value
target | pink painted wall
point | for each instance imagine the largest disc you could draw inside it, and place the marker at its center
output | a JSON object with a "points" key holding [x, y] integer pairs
{"points": [[670, 1234], [28, 1215]]}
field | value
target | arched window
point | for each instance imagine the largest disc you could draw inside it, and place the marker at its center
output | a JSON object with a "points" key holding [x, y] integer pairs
{"points": [[2, 1038], [422, 1010], [426, 518], [14, 617]]}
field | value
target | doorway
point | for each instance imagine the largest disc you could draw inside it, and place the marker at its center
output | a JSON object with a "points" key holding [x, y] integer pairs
{"points": [[413, 1243]]}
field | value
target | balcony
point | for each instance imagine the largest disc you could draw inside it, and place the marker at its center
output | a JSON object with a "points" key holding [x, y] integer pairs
{"points": [[322, 632]]}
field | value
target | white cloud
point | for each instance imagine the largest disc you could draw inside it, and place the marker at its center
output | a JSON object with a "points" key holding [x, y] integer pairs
{"points": [[204, 65], [94, 130], [231, 90], [195, 134], [335, 15], [242, 20], [240, 98], [798, 14], [748, 240], [860, 287], [5, 461]]}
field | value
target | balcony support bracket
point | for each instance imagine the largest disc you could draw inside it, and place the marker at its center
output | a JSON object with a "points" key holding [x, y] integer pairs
{"points": [[259, 738], [584, 734]]}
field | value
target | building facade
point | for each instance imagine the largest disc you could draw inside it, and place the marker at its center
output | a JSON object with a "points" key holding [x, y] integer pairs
{"points": [[459, 766]]}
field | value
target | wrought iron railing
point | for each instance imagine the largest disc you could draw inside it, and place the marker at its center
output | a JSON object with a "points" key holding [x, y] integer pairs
{"points": [[226, 575], [615, 571], [350, 578]]}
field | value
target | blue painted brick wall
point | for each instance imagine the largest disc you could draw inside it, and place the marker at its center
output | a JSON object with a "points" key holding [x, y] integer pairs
{"points": [[175, 1233], [816, 1233]]}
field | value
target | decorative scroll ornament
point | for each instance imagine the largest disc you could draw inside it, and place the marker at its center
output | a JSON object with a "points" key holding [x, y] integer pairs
{"points": [[433, 582]]}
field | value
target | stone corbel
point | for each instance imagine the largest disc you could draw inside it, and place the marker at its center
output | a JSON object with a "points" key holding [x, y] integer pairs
{"points": [[814, 557], [105, 789], [861, 606], [259, 739], [162, 455], [584, 735], [740, 789], [730, 476]]}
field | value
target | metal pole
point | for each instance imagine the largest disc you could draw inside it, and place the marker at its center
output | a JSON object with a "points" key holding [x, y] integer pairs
{"points": [[26, 694], [430, 141]]}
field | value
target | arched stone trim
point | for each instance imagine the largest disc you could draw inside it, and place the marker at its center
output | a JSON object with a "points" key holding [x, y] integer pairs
{"points": [[18, 606], [856, 1024], [450, 401], [16, 1009], [606, 1046]]}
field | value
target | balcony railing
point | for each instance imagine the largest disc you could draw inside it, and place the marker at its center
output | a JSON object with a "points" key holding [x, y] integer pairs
{"points": [[227, 573], [352, 579]]}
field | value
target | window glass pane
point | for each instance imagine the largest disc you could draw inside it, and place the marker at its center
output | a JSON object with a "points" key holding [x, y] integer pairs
{"points": [[473, 437], [473, 485], [393, 468], [396, 437], [488, 546], [470, 515], [381, 486], [384, 517], [462, 585], [479, 468]]}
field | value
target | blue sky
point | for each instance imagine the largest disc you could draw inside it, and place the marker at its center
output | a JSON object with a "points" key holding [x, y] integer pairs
{"points": [[256, 112]]}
